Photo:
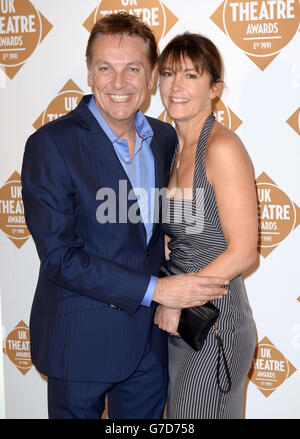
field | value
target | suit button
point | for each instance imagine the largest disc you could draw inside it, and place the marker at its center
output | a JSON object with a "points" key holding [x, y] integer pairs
{"points": [[115, 307]]}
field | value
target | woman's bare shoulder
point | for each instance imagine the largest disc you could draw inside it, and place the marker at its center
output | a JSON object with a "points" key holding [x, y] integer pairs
{"points": [[225, 150], [223, 139]]}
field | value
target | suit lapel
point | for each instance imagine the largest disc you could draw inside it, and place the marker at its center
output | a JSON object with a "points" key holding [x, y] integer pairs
{"points": [[159, 180], [159, 169], [100, 146], [99, 143]]}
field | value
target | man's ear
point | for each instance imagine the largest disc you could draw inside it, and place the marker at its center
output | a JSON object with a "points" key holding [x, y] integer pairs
{"points": [[89, 78], [152, 77]]}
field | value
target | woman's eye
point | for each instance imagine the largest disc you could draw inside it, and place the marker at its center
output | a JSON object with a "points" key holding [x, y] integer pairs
{"points": [[166, 74], [191, 76]]}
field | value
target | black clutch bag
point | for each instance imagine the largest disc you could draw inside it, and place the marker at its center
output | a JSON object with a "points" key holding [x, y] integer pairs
{"points": [[195, 322], [193, 328]]}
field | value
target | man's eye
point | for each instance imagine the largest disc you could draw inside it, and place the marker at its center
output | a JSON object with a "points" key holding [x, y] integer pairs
{"points": [[103, 69], [133, 69]]}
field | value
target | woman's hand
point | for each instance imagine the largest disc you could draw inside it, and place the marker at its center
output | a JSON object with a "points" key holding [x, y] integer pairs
{"points": [[167, 319]]}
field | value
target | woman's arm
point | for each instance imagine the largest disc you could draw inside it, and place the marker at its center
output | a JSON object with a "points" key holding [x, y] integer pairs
{"points": [[229, 170], [167, 250]]}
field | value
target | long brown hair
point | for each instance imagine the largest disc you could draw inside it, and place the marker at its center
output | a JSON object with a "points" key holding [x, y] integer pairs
{"points": [[199, 49]]}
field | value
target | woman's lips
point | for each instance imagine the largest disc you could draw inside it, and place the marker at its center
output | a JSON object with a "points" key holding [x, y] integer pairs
{"points": [[178, 100]]}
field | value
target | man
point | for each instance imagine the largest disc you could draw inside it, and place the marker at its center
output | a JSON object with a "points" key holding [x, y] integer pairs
{"points": [[91, 325]]}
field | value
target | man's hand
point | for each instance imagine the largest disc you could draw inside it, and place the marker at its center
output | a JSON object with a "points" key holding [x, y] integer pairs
{"points": [[167, 319], [187, 290]]}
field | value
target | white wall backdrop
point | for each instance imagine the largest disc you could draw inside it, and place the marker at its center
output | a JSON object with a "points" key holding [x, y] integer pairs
{"points": [[43, 75]]}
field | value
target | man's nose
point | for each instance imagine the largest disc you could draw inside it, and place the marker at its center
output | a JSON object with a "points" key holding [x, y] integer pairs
{"points": [[119, 80]]}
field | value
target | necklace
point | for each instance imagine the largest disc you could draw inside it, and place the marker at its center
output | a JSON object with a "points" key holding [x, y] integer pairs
{"points": [[179, 156]]}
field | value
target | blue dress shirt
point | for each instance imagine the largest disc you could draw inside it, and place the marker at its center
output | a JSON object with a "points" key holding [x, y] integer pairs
{"points": [[140, 171]]}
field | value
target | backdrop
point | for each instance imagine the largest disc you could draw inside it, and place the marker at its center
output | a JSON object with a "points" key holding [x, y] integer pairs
{"points": [[43, 76]]}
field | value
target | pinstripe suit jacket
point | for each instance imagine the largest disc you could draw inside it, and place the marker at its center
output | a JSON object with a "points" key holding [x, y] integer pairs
{"points": [[87, 266]]}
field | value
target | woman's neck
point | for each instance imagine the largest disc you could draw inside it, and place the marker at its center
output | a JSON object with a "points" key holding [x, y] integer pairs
{"points": [[189, 131]]}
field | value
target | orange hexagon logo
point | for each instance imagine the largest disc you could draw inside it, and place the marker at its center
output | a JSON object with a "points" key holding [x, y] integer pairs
{"points": [[17, 347], [270, 369], [260, 28], [22, 29], [12, 220], [152, 12], [278, 215], [65, 101]]}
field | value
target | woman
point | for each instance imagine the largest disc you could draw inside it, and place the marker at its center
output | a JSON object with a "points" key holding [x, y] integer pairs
{"points": [[211, 162]]}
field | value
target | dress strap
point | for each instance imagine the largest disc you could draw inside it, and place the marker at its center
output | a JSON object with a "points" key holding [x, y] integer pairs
{"points": [[173, 159], [205, 132], [200, 174]]}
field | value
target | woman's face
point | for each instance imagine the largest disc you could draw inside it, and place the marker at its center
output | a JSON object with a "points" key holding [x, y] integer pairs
{"points": [[186, 93]]}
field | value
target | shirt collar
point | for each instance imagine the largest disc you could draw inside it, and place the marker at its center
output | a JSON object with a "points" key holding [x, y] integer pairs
{"points": [[142, 126]]}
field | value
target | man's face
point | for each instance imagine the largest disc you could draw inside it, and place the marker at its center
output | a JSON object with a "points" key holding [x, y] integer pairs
{"points": [[120, 76]]}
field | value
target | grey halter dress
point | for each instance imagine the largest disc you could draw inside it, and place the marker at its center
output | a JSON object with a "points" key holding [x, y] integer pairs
{"points": [[196, 240]]}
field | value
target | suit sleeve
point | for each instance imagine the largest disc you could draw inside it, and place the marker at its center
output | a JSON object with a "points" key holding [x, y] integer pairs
{"points": [[51, 217]]}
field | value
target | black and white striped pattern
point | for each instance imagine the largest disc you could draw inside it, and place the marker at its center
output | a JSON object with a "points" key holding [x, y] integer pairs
{"points": [[193, 390]]}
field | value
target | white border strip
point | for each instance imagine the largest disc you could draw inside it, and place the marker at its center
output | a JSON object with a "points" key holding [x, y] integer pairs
{"points": [[2, 402]]}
